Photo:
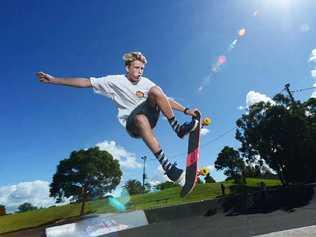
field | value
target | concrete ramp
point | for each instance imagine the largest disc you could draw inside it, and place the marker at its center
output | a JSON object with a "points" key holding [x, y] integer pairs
{"points": [[309, 231], [99, 225]]}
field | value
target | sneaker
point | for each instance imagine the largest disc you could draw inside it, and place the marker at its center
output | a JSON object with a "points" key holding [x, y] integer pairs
{"points": [[187, 127], [176, 175]]}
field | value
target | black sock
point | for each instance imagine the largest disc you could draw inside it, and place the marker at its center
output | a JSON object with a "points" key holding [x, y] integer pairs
{"points": [[174, 124], [160, 155]]}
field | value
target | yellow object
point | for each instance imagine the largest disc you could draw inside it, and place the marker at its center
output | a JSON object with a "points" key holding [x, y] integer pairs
{"points": [[203, 171], [206, 121]]}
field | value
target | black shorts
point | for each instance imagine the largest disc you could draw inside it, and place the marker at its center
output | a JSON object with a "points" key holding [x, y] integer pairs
{"points": [[147, 109]]}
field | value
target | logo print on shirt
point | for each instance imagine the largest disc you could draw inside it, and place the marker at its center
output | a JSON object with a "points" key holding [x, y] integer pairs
{"points": [[140, 94]]}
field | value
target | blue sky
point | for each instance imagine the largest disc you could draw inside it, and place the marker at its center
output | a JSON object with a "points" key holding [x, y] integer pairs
{"points": [[41, 124]]}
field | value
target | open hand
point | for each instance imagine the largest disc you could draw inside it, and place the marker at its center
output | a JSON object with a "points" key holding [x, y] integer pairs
{"points": [[45, 78]]}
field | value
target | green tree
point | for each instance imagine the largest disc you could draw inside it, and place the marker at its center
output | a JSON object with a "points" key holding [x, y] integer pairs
{"points": [[231, 163], [85, 175], [252, 171], [209, 179], [282, 134], [26, 207], [2, 210], [134, 186], [166, 185], [147, 187]]}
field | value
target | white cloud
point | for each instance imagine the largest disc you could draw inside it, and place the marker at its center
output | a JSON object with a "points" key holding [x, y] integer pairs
{"points": [[211, 168], [312, 58], [241, 107], [126, 159], [265, 166], [254, 97], [158, 177], [36, 193], [153, 183], [204, 131]]}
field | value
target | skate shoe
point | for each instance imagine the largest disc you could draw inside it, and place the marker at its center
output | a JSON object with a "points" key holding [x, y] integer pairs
{"points": [[187, 127], [176, 175]]}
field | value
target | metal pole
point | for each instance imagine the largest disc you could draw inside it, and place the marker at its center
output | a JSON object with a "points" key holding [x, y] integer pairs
{"points": [[144, 172], [287, 87]]}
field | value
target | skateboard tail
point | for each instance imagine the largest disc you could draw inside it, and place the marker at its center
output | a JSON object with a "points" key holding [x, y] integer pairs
{"points": [[190, 175], [192, 161]]}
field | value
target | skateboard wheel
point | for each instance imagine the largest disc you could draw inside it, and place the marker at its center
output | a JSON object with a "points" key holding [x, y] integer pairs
{"points": [[203, 171], [206, 121]]}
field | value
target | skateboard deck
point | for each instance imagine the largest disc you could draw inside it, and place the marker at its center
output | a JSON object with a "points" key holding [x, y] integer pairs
{"points": [[192, 158]]}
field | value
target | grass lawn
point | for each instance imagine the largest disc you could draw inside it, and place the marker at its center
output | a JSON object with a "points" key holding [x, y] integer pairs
{"points": [[167, 197]]}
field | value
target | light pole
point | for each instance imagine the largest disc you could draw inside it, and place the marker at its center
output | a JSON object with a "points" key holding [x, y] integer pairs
{"points": [[144, 174], [287, 87]]}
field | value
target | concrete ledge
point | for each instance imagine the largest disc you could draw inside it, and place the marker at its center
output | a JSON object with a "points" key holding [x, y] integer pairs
{"points": [[246, 201], [200, 208]]}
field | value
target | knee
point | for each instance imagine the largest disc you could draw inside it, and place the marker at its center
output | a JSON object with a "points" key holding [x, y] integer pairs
{"points": [[155, 91], [140, 121]]}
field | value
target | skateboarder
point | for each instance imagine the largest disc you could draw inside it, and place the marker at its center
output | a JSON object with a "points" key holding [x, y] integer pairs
{"points": [[139, 102]]}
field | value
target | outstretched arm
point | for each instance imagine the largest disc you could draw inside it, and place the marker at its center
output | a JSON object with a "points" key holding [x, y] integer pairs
{"points": [[73, 82], [177, 106]]}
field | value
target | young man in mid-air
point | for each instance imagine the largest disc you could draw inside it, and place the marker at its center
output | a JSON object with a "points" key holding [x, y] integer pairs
{"points": [[139, 102]]}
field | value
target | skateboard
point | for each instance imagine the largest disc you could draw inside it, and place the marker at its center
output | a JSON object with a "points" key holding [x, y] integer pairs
{"points": [[193, 156]]}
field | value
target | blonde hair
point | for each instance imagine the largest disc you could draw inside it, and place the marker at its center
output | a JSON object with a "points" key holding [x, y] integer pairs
{"points": [[132, 56]]}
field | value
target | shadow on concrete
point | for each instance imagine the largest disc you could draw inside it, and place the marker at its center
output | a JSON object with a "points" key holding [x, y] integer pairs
{"points": [[248, 200], [245, 200]]}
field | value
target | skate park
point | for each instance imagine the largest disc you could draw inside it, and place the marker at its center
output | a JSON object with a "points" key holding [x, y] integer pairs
{"points": [[264, 213], [99, 102]]}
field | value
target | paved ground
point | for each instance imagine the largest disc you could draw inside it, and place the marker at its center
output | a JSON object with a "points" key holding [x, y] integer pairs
{"points": [[297, 209], [221, 225], [237, 223]]}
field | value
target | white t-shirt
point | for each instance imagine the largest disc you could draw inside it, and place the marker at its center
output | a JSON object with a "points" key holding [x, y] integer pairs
{"points": [[126, 95]]}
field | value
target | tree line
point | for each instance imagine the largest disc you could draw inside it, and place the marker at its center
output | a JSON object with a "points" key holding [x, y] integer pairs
{"points": [[277, 139]]}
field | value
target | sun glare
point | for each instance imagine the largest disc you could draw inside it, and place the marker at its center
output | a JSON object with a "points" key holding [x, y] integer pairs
{"points": [[282, 4]]}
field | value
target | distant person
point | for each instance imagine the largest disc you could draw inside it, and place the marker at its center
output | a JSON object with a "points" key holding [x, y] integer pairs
{"points": [[139, 102], [223, 189]]}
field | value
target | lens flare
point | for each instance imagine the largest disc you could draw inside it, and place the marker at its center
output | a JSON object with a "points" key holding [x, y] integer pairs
{"points": [[242, 32], [232, 45], [116, 204], [119, 204], [221, 60]]}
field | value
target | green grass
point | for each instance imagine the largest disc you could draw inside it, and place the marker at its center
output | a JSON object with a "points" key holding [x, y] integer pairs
{"points": [[43, 216], [256, 182], [170, 196], [167, 197]]}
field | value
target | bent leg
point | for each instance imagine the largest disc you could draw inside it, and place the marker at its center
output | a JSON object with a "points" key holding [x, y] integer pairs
{"points": [[157, 97], [145, 131]]}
